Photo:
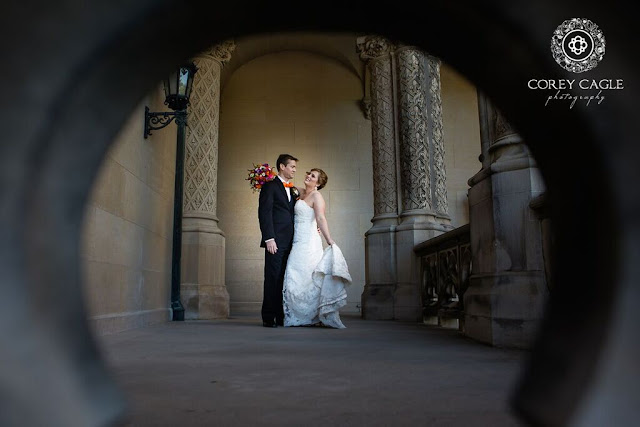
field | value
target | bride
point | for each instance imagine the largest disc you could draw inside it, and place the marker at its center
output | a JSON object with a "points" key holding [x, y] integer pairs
{"points": [[314, 280]]}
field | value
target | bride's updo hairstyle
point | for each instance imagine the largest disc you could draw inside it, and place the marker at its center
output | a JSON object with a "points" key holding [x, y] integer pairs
{"points": [[322, 178]]}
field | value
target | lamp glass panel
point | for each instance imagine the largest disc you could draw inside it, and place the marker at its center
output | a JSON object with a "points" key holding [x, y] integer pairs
{"points": [[183, 81], [189, 83]]}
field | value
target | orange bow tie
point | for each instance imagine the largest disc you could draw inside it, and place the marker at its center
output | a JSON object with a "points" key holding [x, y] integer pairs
{"points": [[288, 184]]}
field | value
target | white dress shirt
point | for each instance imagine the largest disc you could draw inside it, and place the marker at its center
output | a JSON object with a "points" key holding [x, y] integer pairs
{"points": [[287, 189]]}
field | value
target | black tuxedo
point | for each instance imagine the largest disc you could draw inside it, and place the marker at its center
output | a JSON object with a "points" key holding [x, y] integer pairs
{"points": [[275, 213]]}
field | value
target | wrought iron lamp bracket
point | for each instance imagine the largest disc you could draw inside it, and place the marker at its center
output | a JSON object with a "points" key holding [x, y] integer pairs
{"points": [[155, 121]]}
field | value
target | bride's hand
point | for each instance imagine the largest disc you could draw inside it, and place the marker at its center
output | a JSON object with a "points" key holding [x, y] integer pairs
{"points": [[331, 242]]}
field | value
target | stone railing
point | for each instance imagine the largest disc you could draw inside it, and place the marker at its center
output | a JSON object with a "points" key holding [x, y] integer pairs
{"points": [[445, 268]]}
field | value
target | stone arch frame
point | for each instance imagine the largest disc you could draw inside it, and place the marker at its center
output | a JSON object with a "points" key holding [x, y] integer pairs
{"points": [[70, 99]]}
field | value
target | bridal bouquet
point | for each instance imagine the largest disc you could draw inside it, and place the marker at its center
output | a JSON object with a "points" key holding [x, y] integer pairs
{"points": [[259, 175]]}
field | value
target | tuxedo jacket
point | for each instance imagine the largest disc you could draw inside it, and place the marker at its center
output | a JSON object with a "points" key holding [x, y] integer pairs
{"points": [[275, 213]]}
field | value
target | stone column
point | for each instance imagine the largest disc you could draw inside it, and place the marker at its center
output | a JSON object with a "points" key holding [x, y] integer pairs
{"points": [[424, 212], [203, 291], [507, 289], [435, 137], [378, 295]]}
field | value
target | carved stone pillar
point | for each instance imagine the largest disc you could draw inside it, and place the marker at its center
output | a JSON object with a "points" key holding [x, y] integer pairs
{"points": [[203, 291], [414, 150], [378, 295], [507, 290], [410, 196], [423, 177], [435, 137]]}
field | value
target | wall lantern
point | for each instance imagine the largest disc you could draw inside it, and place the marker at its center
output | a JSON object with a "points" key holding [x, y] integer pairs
{"points": [[177, 89]]}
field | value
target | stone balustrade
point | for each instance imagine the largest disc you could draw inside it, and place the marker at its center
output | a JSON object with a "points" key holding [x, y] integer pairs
{"points": [[445, 268]]}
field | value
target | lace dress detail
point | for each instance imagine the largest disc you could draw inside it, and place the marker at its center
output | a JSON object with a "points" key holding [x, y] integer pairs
{"points": [[314, 280]]}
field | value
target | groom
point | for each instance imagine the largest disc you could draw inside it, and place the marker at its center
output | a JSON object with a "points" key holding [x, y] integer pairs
{"points": [[275, 213]]}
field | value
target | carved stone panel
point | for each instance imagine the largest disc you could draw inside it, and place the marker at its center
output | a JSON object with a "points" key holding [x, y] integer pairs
{"points": [[382, 127], [201, 147], [436, 139], [412, 104], [375, 50]]}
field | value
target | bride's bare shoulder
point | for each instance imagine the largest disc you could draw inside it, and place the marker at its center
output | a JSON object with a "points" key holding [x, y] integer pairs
{"points": [[317, 196]]}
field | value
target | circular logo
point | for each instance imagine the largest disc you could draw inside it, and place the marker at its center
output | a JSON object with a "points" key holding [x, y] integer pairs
{"points": [[577, 45]]}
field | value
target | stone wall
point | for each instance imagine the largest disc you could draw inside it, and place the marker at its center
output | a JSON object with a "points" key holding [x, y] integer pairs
{"points": [[126, 242], [461, 140]]}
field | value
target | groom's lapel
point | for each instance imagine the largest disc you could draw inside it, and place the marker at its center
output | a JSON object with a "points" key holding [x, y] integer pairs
{"points": [[281, 185]]}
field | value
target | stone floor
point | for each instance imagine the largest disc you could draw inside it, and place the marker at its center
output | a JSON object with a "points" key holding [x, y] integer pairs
{"points": [[234, 372]]}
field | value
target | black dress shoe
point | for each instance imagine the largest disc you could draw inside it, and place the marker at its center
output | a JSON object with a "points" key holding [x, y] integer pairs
{"points": [[280, 322], [269, 324]]}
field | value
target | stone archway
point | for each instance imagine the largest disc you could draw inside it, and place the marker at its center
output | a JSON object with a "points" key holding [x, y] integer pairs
{"points": [[94, 64]]}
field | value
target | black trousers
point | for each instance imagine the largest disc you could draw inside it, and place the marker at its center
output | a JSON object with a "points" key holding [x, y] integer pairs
{"points": [[274, 267]]}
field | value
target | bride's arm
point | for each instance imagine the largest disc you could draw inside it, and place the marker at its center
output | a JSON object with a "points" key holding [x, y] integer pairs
{"points": [[319, 208]]}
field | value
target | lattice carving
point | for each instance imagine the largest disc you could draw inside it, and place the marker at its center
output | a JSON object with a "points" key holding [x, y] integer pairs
{"points": [[382, 127], [415, 175], [201, 148], [438, 175]]}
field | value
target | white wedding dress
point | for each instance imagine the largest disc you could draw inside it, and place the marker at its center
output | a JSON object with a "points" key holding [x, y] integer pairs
{"points": [[314, 280]]}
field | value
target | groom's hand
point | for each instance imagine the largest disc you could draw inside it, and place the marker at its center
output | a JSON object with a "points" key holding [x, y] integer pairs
{"points": [[272, 247]]}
